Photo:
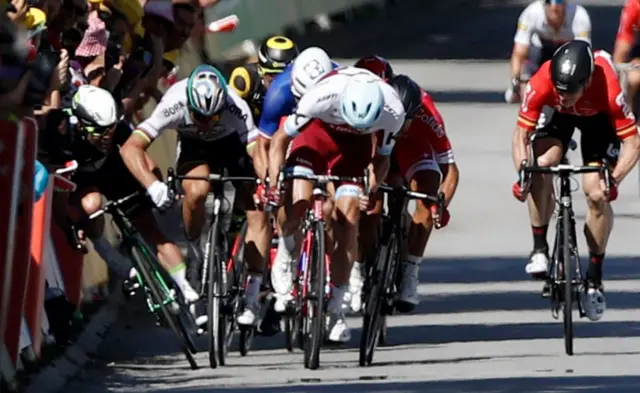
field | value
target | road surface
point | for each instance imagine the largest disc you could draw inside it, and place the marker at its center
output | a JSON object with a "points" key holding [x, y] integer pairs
{"points": [[481, 325]]}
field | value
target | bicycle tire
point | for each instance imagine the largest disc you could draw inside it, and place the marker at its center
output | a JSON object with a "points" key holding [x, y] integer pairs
{"points": [[239, 278], [315, 302], [372, 318], [288, 334], [213, 291], [150, 282], [246, 339], [568, 285]]}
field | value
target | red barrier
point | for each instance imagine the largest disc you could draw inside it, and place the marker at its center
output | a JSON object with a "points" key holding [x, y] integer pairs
{"points": [[11, 151], [22, 254], [34, 302]]}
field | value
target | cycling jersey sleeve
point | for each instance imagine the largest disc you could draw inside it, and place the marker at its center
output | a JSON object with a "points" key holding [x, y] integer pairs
{"points": [[526, 23], [538, 93], [581, 26], [391, 120], [437, 134], [243, 118], [629, 21], [168, 114], [313, 104], [278, 102]]}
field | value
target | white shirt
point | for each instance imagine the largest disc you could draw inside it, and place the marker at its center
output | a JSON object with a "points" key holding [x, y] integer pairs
{"points": [[322, 102], [172, 113], [533, 28]]}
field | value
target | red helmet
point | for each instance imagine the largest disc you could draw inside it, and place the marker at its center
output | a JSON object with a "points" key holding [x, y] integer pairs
{"points": [[376, 64]]}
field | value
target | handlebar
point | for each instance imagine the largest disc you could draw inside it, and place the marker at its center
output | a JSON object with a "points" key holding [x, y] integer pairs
{"points": [[566, 170], [172, 178], [406, 193], [325, 179]]}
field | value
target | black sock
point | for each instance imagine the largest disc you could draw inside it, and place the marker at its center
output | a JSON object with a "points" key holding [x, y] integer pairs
{"points": [[594, 274], [540, 237]]}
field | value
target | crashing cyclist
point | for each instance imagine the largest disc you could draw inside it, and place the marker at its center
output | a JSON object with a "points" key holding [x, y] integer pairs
{"points": [[332, 131], [542, 27], [423, 160], [581, 89], [87, 133], [213, 124]]}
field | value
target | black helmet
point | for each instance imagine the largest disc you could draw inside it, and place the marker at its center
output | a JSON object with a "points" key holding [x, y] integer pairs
{"points": [[571, 66], [409, 92], [376, 64], [275, 53]]}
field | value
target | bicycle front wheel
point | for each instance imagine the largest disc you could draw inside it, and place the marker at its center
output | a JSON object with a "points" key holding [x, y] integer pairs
{"points": [[315, 282], [215, 289], [568, 284], [373, 320], [140, 255]]}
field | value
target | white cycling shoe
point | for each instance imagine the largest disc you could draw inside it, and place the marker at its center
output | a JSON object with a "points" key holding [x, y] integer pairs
{"points": [[337, 328], [189, 294], [252, 308], [356, 282], [280, 305], [538, 263], [594, 303], [282, 271]]}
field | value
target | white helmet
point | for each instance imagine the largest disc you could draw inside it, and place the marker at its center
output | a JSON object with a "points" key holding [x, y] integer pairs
{"points": [[310, 65], [206, 90], [94, 106], [361, 102]]}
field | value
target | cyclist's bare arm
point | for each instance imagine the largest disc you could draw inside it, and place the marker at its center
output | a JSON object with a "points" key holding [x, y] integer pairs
{"points": [[520, 147], [135, 158], [621, 51], [518, 57], [451, 178], [260, 155], [277, 152], [378, 171], [629, 149]]}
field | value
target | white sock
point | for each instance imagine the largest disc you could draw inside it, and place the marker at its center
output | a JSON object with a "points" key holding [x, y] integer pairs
{"points": [[413, 259], [179, 275], [117, 262], [287, 244]]}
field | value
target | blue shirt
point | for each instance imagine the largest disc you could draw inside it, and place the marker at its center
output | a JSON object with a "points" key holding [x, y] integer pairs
{"points": [[279, 101]]}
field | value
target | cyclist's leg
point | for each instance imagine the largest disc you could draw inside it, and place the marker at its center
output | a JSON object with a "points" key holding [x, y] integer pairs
{"points": [[554, 134], [598, 141], [193, 159], [169, 254], [350, 156], [307, 155]]}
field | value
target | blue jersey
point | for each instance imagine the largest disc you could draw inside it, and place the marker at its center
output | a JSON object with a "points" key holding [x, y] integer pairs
{"points": [[279, 101]]}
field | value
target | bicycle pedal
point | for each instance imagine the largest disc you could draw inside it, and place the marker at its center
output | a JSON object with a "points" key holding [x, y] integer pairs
{"points": [[546, 291]]}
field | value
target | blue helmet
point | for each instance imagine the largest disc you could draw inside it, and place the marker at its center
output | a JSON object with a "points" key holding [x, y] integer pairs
{"points": [[361, 102], [206, 90]]}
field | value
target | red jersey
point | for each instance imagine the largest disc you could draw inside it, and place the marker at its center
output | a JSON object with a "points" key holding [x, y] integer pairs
{"points": [[427, 128], [603, 95], [629, 21]]}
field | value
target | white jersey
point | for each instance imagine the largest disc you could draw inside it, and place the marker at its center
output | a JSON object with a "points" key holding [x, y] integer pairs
{"points": [[533, 29], [171, 113], [322, 102]]}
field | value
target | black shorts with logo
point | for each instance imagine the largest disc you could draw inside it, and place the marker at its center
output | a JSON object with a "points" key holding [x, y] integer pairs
{"points": [[598, 138], [229, 153]]}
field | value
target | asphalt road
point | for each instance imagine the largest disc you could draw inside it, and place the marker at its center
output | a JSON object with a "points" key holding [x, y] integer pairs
{"points": [[481, 325]]}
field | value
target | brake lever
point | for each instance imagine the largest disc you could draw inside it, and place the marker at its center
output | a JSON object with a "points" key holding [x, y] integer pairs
{"points": [[441, 207], [74, 241], [522, 176]]}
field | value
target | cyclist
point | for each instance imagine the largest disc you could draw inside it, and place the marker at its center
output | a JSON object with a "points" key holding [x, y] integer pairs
{"points": [[252, 80], [583, 89], [423, 159], [542, 27], [624, 46], [87, 133], [280, 101], [376, 64], [212, 122], [333, 126]]}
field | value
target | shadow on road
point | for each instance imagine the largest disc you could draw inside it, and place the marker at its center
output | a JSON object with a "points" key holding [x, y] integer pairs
{"points": [[511, 385]]}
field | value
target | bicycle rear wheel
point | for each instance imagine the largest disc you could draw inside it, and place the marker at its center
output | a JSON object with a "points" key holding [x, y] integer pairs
{"points": [[141, 254], [315, 282], [373, 320], [568, 285]]}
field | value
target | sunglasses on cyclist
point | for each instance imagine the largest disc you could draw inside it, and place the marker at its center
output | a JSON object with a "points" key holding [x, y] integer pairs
{"points": [[95, 130], [203, 119], [551, 2]]}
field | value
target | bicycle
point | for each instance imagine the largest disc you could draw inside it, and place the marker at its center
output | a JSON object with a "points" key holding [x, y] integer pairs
{"points": [[161, 297], [384, 274], [225, 292], [312, 284], [565, 261]]}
